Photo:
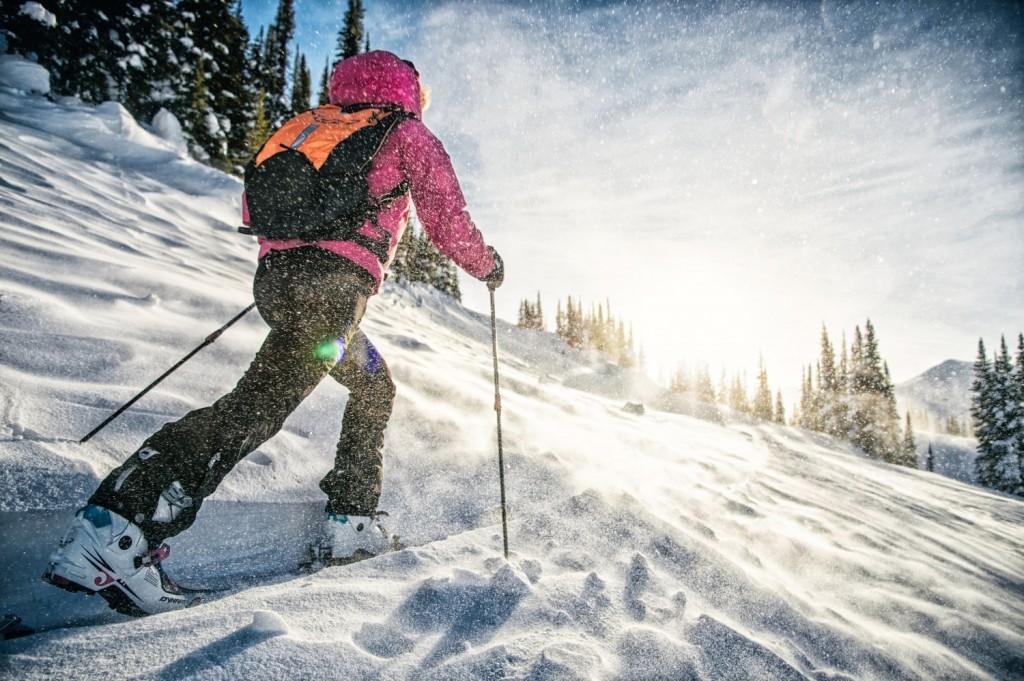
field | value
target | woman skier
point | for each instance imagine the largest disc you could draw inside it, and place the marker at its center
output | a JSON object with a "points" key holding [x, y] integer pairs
{"points": [[312, 294]]}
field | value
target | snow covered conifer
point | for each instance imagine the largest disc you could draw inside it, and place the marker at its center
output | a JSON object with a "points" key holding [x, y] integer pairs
{"points": [[762, 407], [997, 411], [201, 124], [808, 409], [738, 396], [833, 412], [982, 400], [400, 264], [231, 88], [32, 34], [1018, 400], [705, 389], [908, 448], [574, 333], [274, 79], [215, 41]]}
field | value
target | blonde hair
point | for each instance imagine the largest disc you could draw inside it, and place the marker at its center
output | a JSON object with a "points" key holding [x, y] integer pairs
{"points": [[424, 97]]}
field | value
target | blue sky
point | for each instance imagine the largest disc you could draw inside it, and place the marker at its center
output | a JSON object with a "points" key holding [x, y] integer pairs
{"points": [[733, 175], [318, 22]]}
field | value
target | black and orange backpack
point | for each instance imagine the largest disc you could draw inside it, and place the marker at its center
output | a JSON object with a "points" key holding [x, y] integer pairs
{"points": [[308, 181]]}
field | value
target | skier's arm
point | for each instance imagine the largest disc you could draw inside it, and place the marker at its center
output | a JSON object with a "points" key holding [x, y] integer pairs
{"points": [[440, 203]]}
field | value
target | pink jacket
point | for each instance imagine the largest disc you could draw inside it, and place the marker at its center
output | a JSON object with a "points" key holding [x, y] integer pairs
{"points": [[411, 153]]}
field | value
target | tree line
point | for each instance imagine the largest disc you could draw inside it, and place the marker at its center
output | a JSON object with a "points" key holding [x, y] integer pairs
{"points": [[596, 329], [848, 395], [997, 406], [194, 58]]}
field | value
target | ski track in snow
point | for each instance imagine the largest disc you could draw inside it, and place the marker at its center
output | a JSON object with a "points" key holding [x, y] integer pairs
{"points": [[686, 545]]}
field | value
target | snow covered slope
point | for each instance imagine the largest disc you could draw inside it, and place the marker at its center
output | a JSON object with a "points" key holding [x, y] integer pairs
{"points": [[661, 546]]}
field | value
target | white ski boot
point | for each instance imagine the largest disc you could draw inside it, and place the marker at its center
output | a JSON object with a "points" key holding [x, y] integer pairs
{"points": [[103, 553], [349, 538]]}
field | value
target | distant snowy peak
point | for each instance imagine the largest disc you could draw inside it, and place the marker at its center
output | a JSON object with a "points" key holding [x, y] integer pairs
{"points": [[942, 391]]}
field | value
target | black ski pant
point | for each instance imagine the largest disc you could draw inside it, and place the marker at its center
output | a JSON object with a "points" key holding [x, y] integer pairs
{"points": [[313, 301]]}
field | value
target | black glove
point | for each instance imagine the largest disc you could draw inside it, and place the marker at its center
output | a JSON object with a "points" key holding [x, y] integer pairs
{"points": [[497, 275]]}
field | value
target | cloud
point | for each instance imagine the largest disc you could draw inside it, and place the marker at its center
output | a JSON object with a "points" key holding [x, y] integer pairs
{"points": [[791, 163]]}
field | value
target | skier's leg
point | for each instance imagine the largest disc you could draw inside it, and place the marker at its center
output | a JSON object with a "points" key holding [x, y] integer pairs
{"points": [[163, 484], [353, 486]]}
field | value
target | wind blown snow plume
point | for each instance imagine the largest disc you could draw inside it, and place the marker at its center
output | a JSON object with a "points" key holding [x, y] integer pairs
{"points": [[660, 546]]}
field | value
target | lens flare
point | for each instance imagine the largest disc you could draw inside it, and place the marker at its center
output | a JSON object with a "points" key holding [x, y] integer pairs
{"points": [[332, 350]]}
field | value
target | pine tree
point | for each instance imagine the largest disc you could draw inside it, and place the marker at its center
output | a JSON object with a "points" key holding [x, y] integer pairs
{"points": [[325, 86], [148, 66], [843, 376], [858, 373], [574, 325], [705, 389], [762, 407], [738, 396], [417, 261], [874, 422], [997, 412], [929, 462], [200, 124], [810, 407], [350, 37], [628, 359], [1000, 463], [214, 41], [908, 448], [276, 60], [831, 405], [780, 409], [423, 260], [983, 405], [301, 85], [400, 265], [234, 97], [444, 277], [1017, 400], [872, 363], [679, 383], [259, 131]]}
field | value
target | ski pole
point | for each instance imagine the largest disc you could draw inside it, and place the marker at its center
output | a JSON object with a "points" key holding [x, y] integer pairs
{"points": [[497, 409], [209, 339]]}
